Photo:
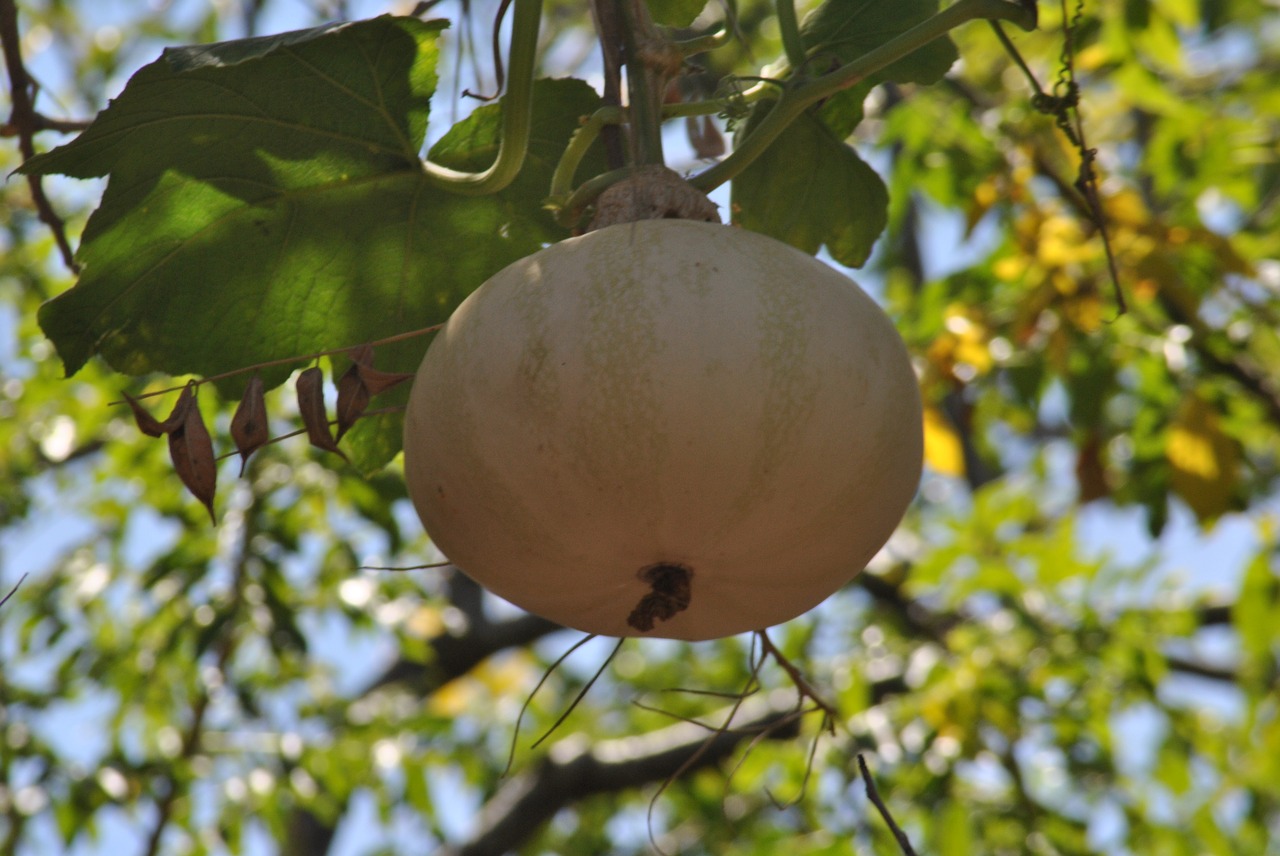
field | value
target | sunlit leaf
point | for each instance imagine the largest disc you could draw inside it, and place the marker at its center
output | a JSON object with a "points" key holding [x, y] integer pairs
{"points": [[1257, 611], [285, 209]]}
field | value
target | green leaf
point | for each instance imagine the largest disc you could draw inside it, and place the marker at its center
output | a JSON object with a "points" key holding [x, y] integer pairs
{"points": [[349, 96], [840, 31], [376, 439], [955, 830], [266, 200], [229, 53], [809, 189], [225, 236], [1257, 609], [675, 13]]}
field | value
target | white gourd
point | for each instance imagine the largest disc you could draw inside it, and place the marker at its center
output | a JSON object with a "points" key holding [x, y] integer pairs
{"points": [[664, 428]]}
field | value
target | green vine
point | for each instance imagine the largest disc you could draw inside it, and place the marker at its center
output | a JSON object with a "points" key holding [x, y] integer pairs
{"points": [[797, 96], [789, 27], [517, 113], [579, 144], [796, 100], [647, 51]]}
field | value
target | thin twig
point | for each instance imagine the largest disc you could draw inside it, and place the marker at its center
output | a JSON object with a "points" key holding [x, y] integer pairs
{"points": [[781, 805], [718, 733], [803, 687], [408, 568], [751, 688], [396, 408], [718, 729], [41, 122], [581, 694], [874, 796], [1071, 121], [498, 70], [699, 692], [13, 590], [764, 733], [284, 361], [1064, 106], [515, 734], [24, 122]]}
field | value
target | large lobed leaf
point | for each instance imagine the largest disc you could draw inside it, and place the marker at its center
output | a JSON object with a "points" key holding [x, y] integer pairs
{"points": [[831, 195], [266, 200], [811, 189]]}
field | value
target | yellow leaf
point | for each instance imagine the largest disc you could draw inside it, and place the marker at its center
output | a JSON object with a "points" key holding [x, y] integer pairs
{"points": [[962, 349], [1126, 207], [1062, 242], [454, 698], [1010, 268], [509, 674], [1094, 56], [1085, 312], [985, 195], [1203, 459], [425, 622], [942, 448]]}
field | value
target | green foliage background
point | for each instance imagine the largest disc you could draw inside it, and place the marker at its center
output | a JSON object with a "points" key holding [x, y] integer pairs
{"points": [[187, 689]]}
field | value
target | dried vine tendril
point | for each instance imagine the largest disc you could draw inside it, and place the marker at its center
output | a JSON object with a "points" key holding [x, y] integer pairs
{"points": [[1063, 104]]}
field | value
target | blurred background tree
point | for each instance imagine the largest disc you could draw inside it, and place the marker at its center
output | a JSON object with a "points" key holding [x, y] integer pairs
{"points": [[1069, 647]]}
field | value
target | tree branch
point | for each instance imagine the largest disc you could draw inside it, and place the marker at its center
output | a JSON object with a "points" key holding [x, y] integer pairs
{"points": [[1201, 670], [572, 772], [24, 122], [873, 794], [451, 656]]}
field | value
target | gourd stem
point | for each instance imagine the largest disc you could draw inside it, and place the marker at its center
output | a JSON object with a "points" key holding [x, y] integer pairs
{"points": [[563, 198], [789, 27], [586, 194], [644, 105], [517, 113], [795, 101]]}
